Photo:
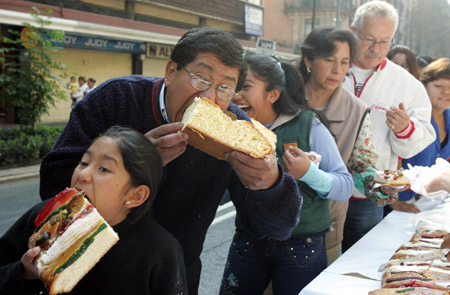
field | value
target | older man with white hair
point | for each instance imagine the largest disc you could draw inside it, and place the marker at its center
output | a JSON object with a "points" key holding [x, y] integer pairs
{"points": [[400, 107]]}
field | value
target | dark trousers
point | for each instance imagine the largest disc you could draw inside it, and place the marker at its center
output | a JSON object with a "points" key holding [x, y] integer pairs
{"points": [[290, 264], [362, 216], [193, 272]]}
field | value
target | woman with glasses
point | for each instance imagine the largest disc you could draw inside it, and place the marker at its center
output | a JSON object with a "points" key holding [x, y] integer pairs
{"points": [[273, 94], [404, 57]]}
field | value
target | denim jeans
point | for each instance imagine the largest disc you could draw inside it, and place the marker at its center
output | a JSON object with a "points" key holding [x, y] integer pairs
{"points": [[362, 216], [290, 264]]}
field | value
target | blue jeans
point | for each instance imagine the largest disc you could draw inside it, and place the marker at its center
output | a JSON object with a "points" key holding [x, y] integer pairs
{"points": [[362, 216], [290, 264]]}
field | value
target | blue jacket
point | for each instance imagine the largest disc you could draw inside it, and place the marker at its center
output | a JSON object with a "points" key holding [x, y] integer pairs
{"points": [[428, 156]]}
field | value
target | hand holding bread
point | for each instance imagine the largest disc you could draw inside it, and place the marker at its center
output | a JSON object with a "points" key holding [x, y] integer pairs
{"points": [[30, 270], [295, 161], [255, 174], [168, 141]]}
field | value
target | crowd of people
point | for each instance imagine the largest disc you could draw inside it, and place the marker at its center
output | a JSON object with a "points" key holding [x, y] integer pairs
{"points": [[78, 90], [360, 104]]}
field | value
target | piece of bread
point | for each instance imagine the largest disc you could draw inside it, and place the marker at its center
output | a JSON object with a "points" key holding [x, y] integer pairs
{"points": [[391, 178], [73, 237], [408, 291], [268, 134], [215, 133]]}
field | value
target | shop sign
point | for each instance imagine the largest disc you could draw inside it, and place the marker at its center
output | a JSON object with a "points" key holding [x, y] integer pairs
{"points": [[265, 46], [254, 20], [85, 42], [159, 50]]}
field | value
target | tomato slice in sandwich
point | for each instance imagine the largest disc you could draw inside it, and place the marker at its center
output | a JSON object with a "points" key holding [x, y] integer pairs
{"points": [[56, 202]]}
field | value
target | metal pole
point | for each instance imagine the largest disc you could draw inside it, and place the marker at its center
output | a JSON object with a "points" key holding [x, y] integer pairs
{"points": [[338, 12], [314, 15]]}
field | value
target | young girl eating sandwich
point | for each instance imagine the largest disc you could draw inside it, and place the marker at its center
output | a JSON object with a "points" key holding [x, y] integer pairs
{"points": [[120, 174]]}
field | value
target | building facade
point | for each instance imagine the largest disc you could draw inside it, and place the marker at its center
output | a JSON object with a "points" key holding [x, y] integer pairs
{"points": [[109, 38]]}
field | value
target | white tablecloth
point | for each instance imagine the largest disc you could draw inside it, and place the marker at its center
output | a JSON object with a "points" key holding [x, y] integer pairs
{"points": [[356, 271]]}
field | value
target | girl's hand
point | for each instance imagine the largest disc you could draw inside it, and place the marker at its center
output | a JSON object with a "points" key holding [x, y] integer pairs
{"points": [[30, 271], [295, 162]]}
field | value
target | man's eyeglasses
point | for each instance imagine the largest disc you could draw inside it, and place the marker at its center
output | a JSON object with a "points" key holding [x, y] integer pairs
{"points": [[199, 82], [369, 42]]}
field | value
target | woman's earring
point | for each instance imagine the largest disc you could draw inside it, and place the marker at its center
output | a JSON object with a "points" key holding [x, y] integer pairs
{"points": [[308, 70], [128, 202]]}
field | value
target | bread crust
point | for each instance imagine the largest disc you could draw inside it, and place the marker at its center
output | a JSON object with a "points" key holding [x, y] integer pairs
{"points": [[85, 225], [214, 145], [67, 280], [408, 291]]}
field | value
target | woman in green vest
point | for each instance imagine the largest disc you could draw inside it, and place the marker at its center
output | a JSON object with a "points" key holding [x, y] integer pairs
{"points": [[273, 94]]}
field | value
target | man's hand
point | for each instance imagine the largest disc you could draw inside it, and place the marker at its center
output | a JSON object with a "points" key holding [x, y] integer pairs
{"points": [[295, 162], [255, 174], [397, 119], [168, 141], [405, 207], [30, 271]]}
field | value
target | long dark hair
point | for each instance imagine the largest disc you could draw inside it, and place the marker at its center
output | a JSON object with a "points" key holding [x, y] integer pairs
{"points": [[218, 41], [142, 162], [280, 76], [283, 76], [411, 60], [320, 43]]}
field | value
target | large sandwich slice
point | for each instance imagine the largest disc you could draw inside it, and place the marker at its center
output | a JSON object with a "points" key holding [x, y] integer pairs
{"points": [[72, 236], [216, 133]]}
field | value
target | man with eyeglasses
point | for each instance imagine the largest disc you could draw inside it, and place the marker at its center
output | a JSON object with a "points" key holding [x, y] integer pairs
{"points": [[400, 108], [206, 62]]}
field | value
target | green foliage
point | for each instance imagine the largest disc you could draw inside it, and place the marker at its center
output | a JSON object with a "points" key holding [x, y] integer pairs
{"points": [[26, 144], [28, 80]]}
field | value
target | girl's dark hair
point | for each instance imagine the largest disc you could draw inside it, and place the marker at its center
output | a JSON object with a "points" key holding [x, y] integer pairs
{"points": [[438, 69], [217, 41], [92, 80], [281, 76], [411, 60], [285, 77], [142, 162], [320, 43]]}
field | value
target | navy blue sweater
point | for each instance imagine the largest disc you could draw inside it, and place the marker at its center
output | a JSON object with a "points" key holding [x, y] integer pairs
{"points": [[193, 183]]}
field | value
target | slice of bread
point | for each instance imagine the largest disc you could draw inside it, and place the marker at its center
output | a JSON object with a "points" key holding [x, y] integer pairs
{"points": [[215, 133], [391, 178], [73, 239], [268, 134], [408, 291]]}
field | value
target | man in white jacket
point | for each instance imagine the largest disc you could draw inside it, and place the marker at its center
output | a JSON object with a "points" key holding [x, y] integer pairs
{"points": [[399, 103]]}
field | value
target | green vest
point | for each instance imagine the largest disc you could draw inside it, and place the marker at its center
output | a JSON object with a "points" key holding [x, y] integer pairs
{"points": [[314, 215]]}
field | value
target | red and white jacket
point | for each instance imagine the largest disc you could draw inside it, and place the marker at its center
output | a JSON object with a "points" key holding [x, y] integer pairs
{"points": [[388, 86]]}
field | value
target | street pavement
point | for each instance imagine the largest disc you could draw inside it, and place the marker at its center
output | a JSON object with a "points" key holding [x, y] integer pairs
{"points": [[19, 173]]}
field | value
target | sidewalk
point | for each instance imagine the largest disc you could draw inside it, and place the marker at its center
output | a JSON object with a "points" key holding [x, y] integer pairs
{"points": [[19, 173]]}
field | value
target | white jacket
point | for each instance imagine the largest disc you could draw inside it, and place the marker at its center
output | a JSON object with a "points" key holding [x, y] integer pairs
{"points": [[390, 85], [80, 92]]}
